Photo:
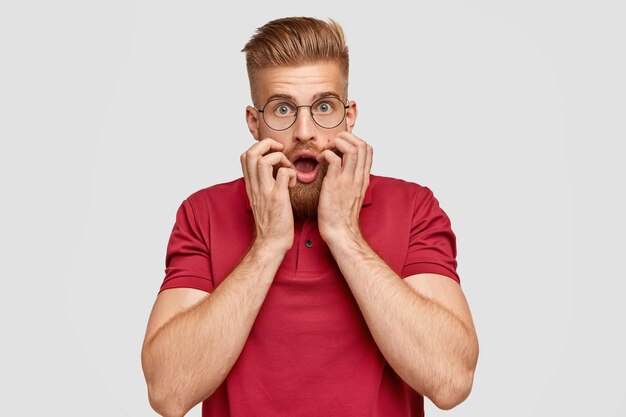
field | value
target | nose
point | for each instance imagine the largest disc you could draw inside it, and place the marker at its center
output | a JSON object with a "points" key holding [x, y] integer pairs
{"points": [[305, 127]]}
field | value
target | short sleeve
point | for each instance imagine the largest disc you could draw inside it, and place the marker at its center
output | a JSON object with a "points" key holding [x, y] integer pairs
{"points": [[432, 244], [187, 260]]}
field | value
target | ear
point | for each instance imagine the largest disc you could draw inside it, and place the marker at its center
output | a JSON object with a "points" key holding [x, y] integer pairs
{"points": [[351, 113], [252, 118]]}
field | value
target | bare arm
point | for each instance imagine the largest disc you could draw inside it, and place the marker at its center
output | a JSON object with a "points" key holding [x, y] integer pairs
{"points": [[427, 337], [187, 358], [189, 351], [425, 332]]}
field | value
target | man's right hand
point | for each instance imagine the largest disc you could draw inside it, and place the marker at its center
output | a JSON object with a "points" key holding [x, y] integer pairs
{"points": [[269, 197], [185, 323]]}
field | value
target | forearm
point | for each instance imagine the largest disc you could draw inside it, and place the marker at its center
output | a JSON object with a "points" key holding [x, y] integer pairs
{"points": [[189, 357], [427, 345]]}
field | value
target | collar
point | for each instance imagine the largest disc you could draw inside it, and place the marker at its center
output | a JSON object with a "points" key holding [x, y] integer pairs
{"points": [[367, 199]]}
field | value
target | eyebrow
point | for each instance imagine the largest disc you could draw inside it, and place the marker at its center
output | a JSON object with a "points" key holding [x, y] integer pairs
{"points": [[315, 97]]}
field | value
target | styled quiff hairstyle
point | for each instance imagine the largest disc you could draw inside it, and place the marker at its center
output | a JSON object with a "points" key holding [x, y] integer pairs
{"points": [[296, 41]]}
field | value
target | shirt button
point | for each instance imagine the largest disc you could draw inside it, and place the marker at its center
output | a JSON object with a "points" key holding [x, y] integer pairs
{"points": [[308, 243]]}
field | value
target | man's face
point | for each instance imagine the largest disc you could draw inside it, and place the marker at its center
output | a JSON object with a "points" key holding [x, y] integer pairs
{"points": [[304, 140]]}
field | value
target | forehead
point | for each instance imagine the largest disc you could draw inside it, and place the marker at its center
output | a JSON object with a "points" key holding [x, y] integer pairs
{"points": [[303, 82]]}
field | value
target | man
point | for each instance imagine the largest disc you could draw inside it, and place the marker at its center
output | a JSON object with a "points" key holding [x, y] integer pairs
{"points": [[308, 287]]}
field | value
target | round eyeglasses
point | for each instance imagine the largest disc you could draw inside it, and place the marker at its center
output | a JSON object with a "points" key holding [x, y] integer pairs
{"points": [[281, 114]]}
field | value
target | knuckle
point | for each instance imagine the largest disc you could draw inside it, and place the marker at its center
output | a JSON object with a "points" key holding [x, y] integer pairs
{"points": [[261, 162], [250, 154]]}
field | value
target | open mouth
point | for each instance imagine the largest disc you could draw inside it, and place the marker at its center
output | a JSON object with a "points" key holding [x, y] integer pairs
{"points": [[305, 164], [306, 167]]}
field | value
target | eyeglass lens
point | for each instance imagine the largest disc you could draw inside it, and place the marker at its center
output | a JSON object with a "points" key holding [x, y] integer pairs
{"points": [[327, 112]]}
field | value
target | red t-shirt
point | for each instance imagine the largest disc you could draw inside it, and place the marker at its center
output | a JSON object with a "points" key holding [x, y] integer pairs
{"points": [[309, 352]]}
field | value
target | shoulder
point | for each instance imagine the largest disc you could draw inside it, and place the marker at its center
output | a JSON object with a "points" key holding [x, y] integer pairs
{"points": [[225, 199], [228, 193], [395, 188]]}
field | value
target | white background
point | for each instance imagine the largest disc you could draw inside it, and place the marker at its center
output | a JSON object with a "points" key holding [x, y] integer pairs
{"points": [[111, 113]]}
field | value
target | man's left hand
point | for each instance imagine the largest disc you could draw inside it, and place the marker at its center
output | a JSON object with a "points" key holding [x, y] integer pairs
{"points": [[344, 187]]}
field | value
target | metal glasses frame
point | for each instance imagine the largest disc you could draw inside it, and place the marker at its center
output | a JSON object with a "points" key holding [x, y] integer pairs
{"points": [[310, 106]]}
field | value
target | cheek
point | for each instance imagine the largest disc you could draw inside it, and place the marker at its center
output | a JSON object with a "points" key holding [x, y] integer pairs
{"points": [[327, 139], [330, 135], [282, 137]]}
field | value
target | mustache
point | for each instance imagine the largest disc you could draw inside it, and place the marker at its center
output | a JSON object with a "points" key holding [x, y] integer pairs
{"points": [[299, 146], [312, 148]]}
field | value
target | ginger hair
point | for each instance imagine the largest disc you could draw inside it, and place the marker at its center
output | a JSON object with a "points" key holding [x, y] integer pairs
{"points": [[295, 41]]}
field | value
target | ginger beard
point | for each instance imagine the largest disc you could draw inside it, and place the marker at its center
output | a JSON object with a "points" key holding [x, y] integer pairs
{"points": [[305, 197]]}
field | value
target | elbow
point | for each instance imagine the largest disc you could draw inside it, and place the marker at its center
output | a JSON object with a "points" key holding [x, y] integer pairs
{"points": [[164, 404], [459, 384], [171, 392], [161, 399], [169, 400], [454, 393]]}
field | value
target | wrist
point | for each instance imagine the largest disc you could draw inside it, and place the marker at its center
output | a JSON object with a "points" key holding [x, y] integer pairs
{"points": [[259, 265], [270, 249], [345, 240]]}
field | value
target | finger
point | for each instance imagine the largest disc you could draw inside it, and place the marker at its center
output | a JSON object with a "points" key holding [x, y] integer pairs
{"points": [[244, 168], [265, 168], [368, 167], [361, 147], [334, 162], [285, 178], [253, 155], [264, 146], [349, 137], [350, 155]]}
